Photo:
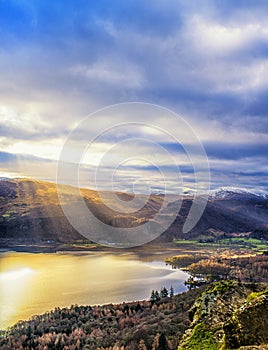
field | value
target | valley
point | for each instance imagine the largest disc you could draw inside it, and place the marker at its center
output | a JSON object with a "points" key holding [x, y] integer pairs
{"points": [[32, 219]]}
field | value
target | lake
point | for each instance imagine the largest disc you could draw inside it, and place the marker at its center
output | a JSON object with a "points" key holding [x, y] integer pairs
{"points": [[35, 283]]}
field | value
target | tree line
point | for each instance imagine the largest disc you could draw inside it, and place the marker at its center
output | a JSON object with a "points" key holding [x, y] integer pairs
{"points": [[163, 293]]}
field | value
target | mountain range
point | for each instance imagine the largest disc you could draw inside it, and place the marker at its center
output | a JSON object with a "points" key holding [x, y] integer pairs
{"points": [[30, 213]]}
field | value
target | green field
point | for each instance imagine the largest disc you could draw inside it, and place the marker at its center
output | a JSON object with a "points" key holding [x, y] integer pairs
{"points": [[232, 242]]}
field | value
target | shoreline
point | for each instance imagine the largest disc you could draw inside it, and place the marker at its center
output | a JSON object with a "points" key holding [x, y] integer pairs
{"points": [[160, 249]]}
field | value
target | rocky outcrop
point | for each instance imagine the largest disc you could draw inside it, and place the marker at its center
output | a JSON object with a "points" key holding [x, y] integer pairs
{"points": [[249, 323], [229, 315]]}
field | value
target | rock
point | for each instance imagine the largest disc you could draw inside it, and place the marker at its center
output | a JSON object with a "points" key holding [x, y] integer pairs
{"points": [[228, 315], [249, 323]]}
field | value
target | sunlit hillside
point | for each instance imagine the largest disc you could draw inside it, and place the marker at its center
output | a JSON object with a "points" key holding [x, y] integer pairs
{"points": [[30, 212]]}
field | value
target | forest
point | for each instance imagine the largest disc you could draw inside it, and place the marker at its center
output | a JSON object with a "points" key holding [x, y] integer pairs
{"points": [[157, 324], [224, 264]]}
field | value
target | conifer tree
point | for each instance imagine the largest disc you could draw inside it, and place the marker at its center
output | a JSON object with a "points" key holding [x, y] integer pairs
{"points": [[162, 343], [164, 292]]}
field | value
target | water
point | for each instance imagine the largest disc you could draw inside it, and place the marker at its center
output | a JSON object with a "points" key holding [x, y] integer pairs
{"points": [[35, 283]]}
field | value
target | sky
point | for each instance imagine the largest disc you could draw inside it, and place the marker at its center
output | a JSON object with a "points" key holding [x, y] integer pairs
{"points": [[207, 62]]}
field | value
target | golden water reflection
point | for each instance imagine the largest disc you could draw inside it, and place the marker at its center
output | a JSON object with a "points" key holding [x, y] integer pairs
{"points": [[35, 283]]}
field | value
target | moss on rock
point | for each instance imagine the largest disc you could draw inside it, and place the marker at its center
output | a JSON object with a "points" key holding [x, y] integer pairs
{"points": [[228, 315], [248, 324], [200, 339]]}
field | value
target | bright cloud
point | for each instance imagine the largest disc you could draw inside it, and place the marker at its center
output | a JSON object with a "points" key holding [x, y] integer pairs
{"points": [[208, 63], [213, 38]]}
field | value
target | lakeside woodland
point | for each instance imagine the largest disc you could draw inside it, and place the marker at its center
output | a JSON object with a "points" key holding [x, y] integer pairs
{"points": [[123, 326], [225, 315], [160, 322], [222, 265]]}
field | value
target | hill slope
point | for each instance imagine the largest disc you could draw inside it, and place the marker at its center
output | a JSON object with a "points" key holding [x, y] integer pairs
{"points": [[228, 315], [30, 212]]}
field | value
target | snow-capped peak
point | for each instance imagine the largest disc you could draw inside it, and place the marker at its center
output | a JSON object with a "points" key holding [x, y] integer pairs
{"points": [[225, 192]]}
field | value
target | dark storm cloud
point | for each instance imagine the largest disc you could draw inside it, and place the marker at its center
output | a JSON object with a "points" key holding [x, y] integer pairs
{"points": [[231, 151], [225, 151]]}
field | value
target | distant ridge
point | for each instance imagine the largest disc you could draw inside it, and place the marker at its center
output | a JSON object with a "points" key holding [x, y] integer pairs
{"points": [[30, 213], [224, 192]]}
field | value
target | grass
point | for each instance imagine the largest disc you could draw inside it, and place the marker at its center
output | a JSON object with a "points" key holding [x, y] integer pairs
{"points": [[200, 339], [185, 242], [221, 286], [250, 243], [255, 295], [235, 242]]}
